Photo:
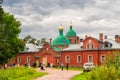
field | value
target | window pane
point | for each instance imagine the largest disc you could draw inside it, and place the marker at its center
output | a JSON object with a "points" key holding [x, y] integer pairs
{"points": [[90, 59], [79, 59], [67, 59], [103, 58]]}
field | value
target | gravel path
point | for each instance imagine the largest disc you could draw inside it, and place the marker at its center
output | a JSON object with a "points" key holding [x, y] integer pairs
{"points": [[56, 74]]}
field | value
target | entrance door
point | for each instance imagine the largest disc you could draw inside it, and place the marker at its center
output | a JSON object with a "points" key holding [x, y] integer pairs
{"points": [[45, 61]]}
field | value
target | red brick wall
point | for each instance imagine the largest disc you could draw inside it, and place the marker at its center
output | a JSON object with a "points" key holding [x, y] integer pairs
{"points": [[94, 53], [90, 40], [73, 58], [73, 38], [23, 57]]}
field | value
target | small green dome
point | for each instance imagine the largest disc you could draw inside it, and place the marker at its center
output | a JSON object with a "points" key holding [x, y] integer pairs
{"points": [[61, 39], [71, 32]]}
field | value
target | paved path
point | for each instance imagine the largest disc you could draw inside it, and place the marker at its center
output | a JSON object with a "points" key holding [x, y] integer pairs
{"points": [[56, 74]]}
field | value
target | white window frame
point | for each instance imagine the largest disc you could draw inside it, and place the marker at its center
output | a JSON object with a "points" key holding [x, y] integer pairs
{"points": [[47, 49], [78, 59], [92, 46], [87, 46], [19, 59], [28, 59], [89, 59], [66, 59], [102, 58]]}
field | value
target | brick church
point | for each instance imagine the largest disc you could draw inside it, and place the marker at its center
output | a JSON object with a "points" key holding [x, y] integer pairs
{"points": [[69, 49]]}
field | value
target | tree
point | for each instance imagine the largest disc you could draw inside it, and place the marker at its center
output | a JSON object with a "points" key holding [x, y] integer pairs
{"points": [[43, 40], [10, 44], [30, 39], [113, 60]]}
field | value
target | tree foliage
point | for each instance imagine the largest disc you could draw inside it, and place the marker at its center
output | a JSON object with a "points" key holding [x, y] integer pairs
{"points": [[30, 39], [10, 44]]}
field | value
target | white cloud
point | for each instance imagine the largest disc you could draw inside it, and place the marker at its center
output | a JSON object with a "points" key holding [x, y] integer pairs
{"points": [[41, 18]]}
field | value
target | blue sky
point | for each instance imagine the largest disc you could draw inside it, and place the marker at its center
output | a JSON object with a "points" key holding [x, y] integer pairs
{"points": [[41, 18]]}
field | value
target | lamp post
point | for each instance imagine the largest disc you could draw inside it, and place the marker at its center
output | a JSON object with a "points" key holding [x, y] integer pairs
{"points": [[1, 1]]}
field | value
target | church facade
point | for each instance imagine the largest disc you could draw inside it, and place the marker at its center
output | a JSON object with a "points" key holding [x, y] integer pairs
{"points": [[69, 49]]}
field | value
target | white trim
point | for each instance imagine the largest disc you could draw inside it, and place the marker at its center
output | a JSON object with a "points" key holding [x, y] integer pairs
{"points": [[89, 59], [28, 59], [80, 59], [18, 59], [90, 46], [87, 46], [102, 59], [66, 60]]}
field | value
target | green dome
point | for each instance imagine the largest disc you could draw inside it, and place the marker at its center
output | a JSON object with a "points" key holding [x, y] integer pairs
{"points": [[71, 32], [60, 39]]}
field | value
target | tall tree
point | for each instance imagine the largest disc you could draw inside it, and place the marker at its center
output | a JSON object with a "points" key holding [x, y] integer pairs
{"points": [[10, 44]]}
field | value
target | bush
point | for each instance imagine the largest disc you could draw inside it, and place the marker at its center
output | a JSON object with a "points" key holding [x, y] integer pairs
{"points": [[109, 71], [103, 73]]}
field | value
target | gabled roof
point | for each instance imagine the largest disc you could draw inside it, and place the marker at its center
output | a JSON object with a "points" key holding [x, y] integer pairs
{"points": [[92, 38]]}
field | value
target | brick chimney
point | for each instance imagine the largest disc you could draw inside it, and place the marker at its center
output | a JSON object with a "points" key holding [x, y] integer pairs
{"points": [[86, 36], [117, 38], [101, 36], [50, 40], [105, 37]]}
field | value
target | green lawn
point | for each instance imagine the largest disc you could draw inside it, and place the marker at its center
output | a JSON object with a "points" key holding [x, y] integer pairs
{"points": [[20, 73], [81, 76], [71, 68]]}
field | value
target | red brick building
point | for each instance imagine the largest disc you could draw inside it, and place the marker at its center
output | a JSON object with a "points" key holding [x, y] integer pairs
{"points": [[69, 49]]}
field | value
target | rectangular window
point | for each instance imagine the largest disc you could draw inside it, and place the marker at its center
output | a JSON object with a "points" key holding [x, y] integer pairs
{"points": [[90, 59]]}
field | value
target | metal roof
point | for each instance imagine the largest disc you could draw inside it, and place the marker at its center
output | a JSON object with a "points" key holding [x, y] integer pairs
{"points": [[114, 44], [29, 47], [74, 47]]}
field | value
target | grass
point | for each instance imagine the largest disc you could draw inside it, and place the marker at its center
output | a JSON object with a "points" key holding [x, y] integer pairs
{"points": [[71, 68], [20, 73], [81, 76]]}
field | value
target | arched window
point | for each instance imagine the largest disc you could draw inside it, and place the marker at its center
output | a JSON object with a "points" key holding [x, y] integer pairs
{"points": [[18, 60], [103, 58], [67, 59], [47, 49], [88, 46], [90, 58], [79, 59], [92, 46], [28, 59]]}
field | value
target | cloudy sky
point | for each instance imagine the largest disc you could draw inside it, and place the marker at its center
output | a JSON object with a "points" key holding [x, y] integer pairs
{"points": [[41, 18]]}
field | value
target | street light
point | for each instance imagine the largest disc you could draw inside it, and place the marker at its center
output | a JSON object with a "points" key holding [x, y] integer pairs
{"points": [[1, 1]]}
